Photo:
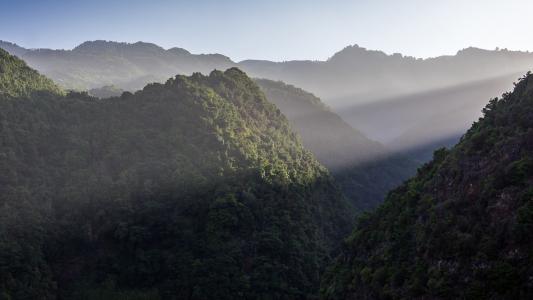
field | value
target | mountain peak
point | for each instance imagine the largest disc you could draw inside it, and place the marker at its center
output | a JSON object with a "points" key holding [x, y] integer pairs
{"points": [[98, 46], [355, 53], [178, 51], [473, 51]]}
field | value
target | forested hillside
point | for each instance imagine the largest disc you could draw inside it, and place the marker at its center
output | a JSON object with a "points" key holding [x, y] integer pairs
{"points": [[196, 188], [460, 229], [17, 79], [363, 168]]}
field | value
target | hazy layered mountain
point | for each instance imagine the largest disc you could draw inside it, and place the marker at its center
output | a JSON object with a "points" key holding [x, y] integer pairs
{"points": [[129, 66], [12, 48], [364, 75], [409, 104], [196, 188], [461, 228], [419, 123], [363, 168]]}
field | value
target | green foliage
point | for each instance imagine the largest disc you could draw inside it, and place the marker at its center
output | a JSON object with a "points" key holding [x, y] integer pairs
{"points": [[196, 188], [460, 229], [17, 79]]}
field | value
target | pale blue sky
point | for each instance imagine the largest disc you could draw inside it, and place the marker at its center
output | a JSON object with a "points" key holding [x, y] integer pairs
{"points": [[274, 30]]}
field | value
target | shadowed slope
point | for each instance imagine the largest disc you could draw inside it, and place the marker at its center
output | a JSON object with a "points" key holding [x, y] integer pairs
{"points": [[196, 188], [461, 228]]}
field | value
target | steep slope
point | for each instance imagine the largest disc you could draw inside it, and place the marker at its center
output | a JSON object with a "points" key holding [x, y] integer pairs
{"points": [[364, 169], [17, 79], [196, 188], [461, 228]]}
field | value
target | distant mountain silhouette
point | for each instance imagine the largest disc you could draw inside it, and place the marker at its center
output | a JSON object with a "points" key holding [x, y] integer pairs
{"points": [[407, 103], [12, 48], [362, 75], [390, 98], [129, 66]]}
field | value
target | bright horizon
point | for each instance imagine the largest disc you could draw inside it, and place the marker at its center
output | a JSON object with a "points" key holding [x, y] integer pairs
{"points": [[274, 30]]}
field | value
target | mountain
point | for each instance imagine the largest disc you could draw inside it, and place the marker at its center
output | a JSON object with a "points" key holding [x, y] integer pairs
{"points": [[362, 76], [12, 48], [364, 169], [461, 228], [394, 98], [17, 79], [196, 188], [390, 98], [129, 66], [107, 91]]}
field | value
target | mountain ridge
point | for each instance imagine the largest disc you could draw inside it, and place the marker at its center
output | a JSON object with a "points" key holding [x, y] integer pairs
{"points": [[352, 79]]}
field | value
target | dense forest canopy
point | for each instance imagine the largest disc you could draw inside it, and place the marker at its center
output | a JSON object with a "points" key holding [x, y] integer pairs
{"points": [[196, 188], [19, 80], [461, 228]]}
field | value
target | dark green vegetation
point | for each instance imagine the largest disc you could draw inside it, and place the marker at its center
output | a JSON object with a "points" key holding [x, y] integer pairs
{"points": [[17, 79], [192, 189], [363, 168], [462, 228]]}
